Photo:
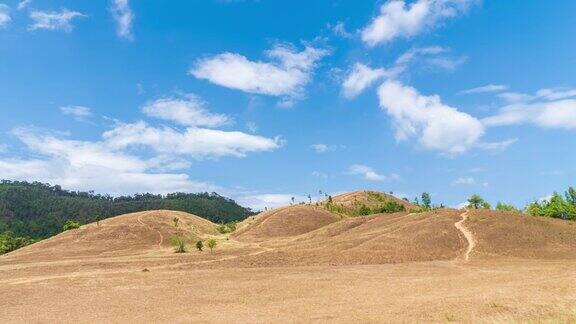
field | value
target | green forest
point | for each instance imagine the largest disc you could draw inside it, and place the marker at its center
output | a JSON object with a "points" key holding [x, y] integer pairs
{"points": [[34, 211]]}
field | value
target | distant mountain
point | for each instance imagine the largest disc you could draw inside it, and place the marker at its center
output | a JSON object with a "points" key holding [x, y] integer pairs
{"points": [[38, 210]]}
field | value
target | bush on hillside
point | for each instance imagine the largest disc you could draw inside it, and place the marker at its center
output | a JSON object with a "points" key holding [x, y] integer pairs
{"points": [[506, 207], [9, 242], [227, 228], [179, 244], [70, 225]]}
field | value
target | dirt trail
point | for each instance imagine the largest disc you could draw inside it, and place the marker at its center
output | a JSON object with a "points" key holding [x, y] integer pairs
{"points": [[161, 240], [467, 234]]}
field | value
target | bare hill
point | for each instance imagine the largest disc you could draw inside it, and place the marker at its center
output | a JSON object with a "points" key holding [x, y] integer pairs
{"points": [[284, 222], [509, 234], [129, 234], [370, 199]]}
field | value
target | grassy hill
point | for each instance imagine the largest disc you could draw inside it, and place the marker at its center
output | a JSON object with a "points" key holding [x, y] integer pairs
{"points": [[37, 210]]}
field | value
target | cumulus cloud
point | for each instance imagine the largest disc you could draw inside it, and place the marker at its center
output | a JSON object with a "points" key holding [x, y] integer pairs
{"points": [[53, 20], [548, 108], [195, 142], [84, 165], [129, 158], [367, 173], [359, 78], [436, 125], [5, 18], [79, 113], [486, 89], [187, 111], [124, 18], [398, 19], [285, 74]]}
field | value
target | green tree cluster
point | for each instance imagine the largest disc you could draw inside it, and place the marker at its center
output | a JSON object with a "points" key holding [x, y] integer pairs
{"points": [[557, 206], [9, 242]]}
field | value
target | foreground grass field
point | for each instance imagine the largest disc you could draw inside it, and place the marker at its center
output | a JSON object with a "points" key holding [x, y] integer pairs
{"points": [[299, 264]]}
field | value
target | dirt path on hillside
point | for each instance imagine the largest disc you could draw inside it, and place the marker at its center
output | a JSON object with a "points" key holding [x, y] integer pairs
{"points": [[467, 234], [161, 239]]}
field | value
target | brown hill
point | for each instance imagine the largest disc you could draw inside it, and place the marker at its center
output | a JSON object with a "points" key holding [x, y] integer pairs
{"points": [[508, 234], [130, 234], [370, 199], [284, 222]]}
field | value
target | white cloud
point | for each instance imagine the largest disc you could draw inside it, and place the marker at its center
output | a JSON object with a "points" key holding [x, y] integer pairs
{"points": [[79, 113], [436, 125], [52, 20], [360, 78], [399, 19], [497, 146], [5, 18], [548, 108], [124, 18], [195, 142], [366, 172], [339, 29], [24, 4], [82, 165], [187, 111], [464, 181], [486, 89], [285, 75], [324, 148]]}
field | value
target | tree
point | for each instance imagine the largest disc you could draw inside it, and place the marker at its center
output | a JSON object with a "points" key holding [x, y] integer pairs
{"points": [[571, 196], [475, 201], [310, 199], [211, 244], [293, 199], [426, 200], [329, 199], [199, 245], [70, 225], [486, 205], [176, 220]]}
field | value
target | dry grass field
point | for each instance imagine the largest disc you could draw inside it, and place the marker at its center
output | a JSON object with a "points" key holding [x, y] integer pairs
{"points": [[299, 264]]}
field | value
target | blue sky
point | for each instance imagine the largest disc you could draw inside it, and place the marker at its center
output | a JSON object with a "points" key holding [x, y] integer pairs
{"points": [[265, 100]]}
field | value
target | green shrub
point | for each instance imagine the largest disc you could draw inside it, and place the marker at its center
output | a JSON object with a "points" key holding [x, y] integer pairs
{"points": [[390, 207], [70, 225], [506, 207], [199, 245], [211, 243], [179, 244], [9, 242], [227, 228]]}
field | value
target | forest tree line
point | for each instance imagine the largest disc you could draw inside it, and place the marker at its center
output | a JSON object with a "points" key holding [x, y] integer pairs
{"points": [[34, 211]]}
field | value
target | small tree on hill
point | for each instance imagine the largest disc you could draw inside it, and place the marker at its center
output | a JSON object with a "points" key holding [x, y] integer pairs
{"points": [[310, 199], [199, 245], [475, 201], [426, 200], [179, 244], [293, 199], [211, 244], [486, 205], [70, 225], [176, 220]]}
